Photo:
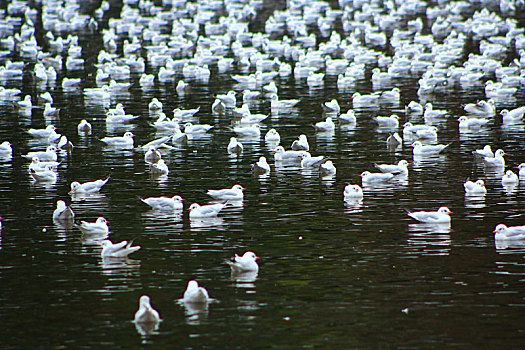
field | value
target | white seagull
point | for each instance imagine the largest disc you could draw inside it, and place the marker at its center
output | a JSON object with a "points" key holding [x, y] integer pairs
{"points": [[497, 161], [368, 177], [301, 144], [475, 188], [63, 212], [352, 192], [509, 178], [234, 193], [146, 313], [117, 250], [195, 294], [261, 167], [441, 216], [98, 227], [205, 211], [245, 263], [87, 187], [400, 168], [502, 232], [120, 141], [427, 150], [164, 203]]}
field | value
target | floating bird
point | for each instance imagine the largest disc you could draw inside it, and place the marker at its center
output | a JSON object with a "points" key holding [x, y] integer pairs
{"points": [[388, 122], [307, 161], [146, 313], [152, 155], [482, 108], [521, 172], [48, 132], [87, 187], [84, 127], [125, 141], [272, 136], [326, 125], [282, 155], [190, 128], [441, 216], [155, 105], [50, 154], [301, 144], [427, 150], [394, 140], [502, 232], [98, 227], [509, 178], [249, 130], [160, 168], [164, 203], [195, 294], [261, 167], [513, 116], [63, 212], [353, 192], [400, 168], [484, 152], [327, 168], [368, 177], [47, 174], [117, 250], [234, 193], [245, 263], [497, 161], [5, 149], [234, 146], [475, 188], [471, 123], [332, 106], [205, 211]]}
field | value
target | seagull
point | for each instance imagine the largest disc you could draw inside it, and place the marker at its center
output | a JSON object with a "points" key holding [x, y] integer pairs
{"points": [[332, 106], [348, 117], [98, 227], [276, 104], [441, 216], [205, 211], [37, 165], [301, 144], [353, 192], [234, 147], [84, 127], [190, 128], [159, 169], [521, 171], [43, 133], [63, 212], [427, 150], [272, 136], [152, 155], [399, 168], [282, 155], [234, 193], [50, 154], [250, 130], [47, 174], [117, 250], [394, 140], [326, 125], [327, 168], [229, 100], [502, 232], [5, 149], [368, 177], [307, 161], [261, 167], [475, 188], [482, 108], [471, 123], [245, 263], [87, 187], [145, 313], [513, 116], [155, 105], [390, 122], [509, 178], [497, 161], [164, 203], [195, 294], [485, 152], [120, 141]]}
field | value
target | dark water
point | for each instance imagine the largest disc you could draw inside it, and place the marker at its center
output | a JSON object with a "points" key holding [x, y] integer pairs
{"points": [[332, 274]]}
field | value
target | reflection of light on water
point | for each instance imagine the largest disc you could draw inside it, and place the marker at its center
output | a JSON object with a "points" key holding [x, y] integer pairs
{"points": [[515, 245], [431, 239], [196, 313], [353, 205], [147, 328], [113, 266], [244, 279], [510, 188], [201, 223], [474, 202]]}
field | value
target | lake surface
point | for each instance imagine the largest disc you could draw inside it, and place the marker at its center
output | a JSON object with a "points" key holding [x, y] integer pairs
{"points": [[333, 274]]}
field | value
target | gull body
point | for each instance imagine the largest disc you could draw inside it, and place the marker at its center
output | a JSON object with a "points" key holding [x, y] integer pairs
{"points": [[504, 232], [146, 313], [205, 211], [245, 263], [87, 187], [164, 203], [234, 193], [475, 188], [400, 168], [441, 216], [117, 250], [195, 294]]}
